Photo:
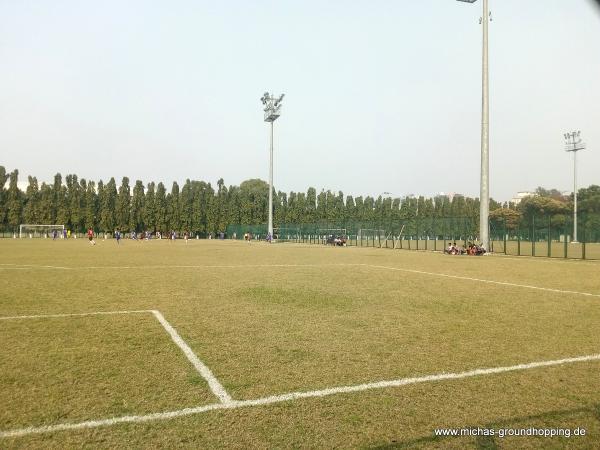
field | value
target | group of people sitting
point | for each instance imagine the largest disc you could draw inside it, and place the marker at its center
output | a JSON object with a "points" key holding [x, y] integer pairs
{"points": [[337, 240], [472, 249]]}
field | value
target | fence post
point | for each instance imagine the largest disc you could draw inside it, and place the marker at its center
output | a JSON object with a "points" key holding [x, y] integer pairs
{"points": [[504, 237], [434, 229], [417, 230], [533, 235], [444, 232], [549, 237], [583, 240], [566, 244]]}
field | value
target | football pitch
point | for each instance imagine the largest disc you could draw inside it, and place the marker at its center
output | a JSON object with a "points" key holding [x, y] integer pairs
{"points": [[233, 344]]}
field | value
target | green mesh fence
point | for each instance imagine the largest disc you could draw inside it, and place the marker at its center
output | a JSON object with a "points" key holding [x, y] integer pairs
{"points": [[548, 236]]}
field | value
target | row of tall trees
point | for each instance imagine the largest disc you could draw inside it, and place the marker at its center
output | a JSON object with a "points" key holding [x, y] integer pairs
{"points": [[199, 207]]}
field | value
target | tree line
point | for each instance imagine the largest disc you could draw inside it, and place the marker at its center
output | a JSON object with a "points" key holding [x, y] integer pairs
{"points": [[199, 207]]}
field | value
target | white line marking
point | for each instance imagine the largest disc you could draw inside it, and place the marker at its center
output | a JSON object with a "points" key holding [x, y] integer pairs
{"points": [[292, 396], [415, 380], [216, 387], [108, 422], [99, 313], [544, 259], [221, 266], [250, 266], [33, 266], [202, 369], [502, 283]]}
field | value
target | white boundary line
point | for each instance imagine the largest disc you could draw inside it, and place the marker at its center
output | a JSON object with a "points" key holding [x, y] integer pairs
{"points": [[250, 266], [99, 313], [202, 369], [291, 396], [399, 269], [481, 280], [219, 266], [199, 266], [216, 387], [544, 259], [32, 266]]}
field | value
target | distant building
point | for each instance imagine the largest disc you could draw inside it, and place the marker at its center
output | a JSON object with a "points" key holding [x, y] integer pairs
{"points": [[520, 196]]}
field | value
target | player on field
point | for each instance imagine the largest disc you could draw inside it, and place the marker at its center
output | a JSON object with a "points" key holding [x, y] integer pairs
{"points": [[118, 236], [90, 234]]}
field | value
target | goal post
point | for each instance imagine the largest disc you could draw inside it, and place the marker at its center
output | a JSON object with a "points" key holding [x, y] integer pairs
{"points": [[396, 241], [38, 230], [371, 235]]}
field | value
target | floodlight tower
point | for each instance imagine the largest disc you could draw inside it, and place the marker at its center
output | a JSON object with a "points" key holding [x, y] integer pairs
{"points": [[484, 185], [573, 144], [272, 110]]}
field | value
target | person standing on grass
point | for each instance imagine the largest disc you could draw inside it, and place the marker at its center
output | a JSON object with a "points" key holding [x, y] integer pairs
{"points": [[118, 236], [54, 233], [90, 234]]}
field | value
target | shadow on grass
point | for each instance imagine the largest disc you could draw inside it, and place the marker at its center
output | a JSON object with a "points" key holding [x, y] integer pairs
{"points": [[489, 442]]}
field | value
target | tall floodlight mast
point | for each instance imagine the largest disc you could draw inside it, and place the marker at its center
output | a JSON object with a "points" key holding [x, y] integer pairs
{"points": [[272, 110], [573, 144], [484, 185]]}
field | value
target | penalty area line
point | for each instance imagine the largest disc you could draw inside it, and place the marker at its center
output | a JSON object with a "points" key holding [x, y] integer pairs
{"points": [[97, 313], [6, 266], [199, 266], [219, 266], [481, 280], [293, 396], [215, 386]]}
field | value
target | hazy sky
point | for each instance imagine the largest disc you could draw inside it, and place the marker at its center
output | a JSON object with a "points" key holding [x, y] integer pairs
{"points": [[380, 95]]}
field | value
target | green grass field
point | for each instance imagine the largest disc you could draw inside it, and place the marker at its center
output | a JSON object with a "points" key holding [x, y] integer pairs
{"points": [[273, 320]]}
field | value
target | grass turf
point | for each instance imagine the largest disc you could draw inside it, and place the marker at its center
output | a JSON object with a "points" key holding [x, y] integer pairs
{"points": [[273, 319]]}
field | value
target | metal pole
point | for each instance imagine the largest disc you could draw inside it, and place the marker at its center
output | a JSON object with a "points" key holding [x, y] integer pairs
{"points": [[271, 185], [485, 140], [575, 196]]}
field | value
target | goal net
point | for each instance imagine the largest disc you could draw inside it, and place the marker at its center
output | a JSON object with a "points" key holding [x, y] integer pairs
{"points": [[40, 231]]}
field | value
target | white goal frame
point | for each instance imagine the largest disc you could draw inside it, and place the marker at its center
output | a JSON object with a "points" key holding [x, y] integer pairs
{"points": [[40, 226], [378, 234], [328, 231]]}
